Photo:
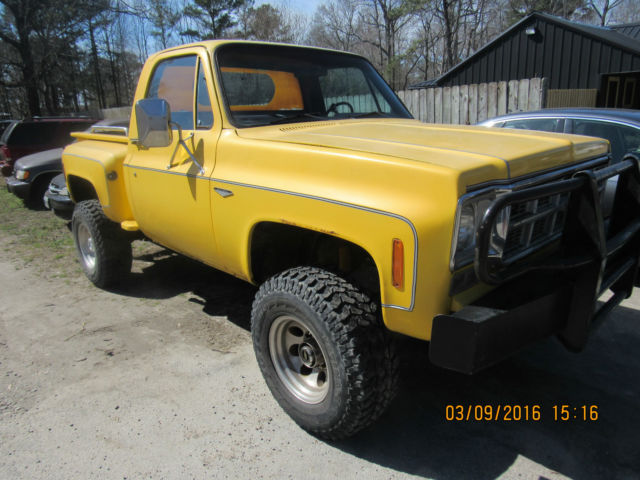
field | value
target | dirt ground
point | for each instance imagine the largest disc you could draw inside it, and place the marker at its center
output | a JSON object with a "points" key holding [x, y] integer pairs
{"points": [[157, 379]]}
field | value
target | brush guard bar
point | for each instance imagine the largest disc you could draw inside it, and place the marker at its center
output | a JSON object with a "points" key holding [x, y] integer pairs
{"points": [[554, 293]]}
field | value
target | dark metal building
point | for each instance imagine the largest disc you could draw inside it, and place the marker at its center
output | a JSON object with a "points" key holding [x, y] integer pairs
{"points": [[630, 29], [603, 61]]}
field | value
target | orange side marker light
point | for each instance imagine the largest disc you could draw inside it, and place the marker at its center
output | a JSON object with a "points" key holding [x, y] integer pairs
{"points": [[398, 264]]}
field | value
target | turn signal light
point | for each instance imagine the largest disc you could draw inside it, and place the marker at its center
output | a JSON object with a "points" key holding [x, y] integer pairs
{"points": [[398, 264]]}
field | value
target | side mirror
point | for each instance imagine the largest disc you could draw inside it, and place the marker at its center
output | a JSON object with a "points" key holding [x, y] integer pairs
{"points": [[152, 118]]}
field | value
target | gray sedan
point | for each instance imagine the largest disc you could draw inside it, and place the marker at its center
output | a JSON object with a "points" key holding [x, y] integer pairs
{"points": [[32, 175], [620, 127]]}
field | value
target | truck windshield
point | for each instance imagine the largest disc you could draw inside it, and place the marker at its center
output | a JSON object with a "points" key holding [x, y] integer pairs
{"points": [[271, 84]]}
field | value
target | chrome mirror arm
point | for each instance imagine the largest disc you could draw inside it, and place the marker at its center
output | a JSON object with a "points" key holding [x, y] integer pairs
{"points": [[181, 141]]}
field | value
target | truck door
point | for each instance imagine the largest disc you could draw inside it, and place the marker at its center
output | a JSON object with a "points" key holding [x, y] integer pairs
{"points": [[169, 186]]}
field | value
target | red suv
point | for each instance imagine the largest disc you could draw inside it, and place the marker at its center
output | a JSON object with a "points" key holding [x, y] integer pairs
{"points": [[30, 136]]}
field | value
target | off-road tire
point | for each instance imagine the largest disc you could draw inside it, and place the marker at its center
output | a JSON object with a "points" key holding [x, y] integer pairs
{"points": [[359, 353], [108, 242]]}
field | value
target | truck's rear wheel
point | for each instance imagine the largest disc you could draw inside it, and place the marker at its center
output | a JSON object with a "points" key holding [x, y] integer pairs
{"points": [[323, 352], [103, 249]]}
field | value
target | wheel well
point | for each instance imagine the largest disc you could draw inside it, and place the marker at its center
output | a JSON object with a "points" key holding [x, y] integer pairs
{"points": [[45, 177], [276, 247], [39, 185], [81, 189]]}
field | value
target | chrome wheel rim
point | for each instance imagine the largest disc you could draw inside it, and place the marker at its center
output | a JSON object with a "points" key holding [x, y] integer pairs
{"points": [[298, 359], [85, 244]]}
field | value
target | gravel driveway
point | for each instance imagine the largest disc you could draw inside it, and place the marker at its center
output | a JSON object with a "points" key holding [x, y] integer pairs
{"points": [[158, 380]]}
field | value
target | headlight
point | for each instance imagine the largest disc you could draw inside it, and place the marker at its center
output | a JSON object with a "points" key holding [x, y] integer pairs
{"points": [[22, 174], [500, 231], [466, 228], [468, 218]]}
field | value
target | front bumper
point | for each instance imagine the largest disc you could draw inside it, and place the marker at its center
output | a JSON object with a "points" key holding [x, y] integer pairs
{"points": [[61, 205], [18, 187], [557, 294]]}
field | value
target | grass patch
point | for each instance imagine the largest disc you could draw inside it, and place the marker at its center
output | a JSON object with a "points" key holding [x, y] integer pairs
{"points": [[40, 240], [35, 237]]}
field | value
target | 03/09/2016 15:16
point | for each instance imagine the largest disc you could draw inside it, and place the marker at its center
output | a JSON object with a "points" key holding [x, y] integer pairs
{"points": [[519, 413]]}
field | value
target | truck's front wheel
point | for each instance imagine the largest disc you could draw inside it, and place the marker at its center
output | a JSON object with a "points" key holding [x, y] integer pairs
{"points": [[323, 352], [103, 249]]}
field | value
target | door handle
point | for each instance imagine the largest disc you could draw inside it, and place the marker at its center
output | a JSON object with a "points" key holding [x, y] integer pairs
{"points": [[223, 192]]}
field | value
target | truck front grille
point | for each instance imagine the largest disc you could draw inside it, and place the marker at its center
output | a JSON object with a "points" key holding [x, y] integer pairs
{"points": [[54, 189], [534, 224]]}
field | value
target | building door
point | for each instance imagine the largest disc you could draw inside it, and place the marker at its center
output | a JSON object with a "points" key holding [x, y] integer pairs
{"points": [[620, 90]]}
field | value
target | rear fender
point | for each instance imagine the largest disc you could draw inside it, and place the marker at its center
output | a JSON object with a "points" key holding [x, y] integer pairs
{"points": [[98, 164]]}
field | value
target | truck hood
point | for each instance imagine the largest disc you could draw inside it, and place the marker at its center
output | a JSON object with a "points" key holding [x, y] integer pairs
{"points": [[513, 152], [48, 158]]}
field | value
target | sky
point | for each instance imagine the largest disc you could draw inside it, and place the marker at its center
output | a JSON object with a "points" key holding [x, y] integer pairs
{"points": [[302, 6]]}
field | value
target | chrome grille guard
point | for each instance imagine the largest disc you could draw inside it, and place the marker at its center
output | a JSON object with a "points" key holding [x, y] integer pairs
{"points": [[583, 239]]}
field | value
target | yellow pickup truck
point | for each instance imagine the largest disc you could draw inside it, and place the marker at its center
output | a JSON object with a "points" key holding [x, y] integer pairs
{"points": [[298, 169]]}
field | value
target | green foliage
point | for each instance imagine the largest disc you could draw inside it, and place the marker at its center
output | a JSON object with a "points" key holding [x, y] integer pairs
{"points": [[62, 56], [267, 23], [212, 17], [163, 16], [42, 41]]}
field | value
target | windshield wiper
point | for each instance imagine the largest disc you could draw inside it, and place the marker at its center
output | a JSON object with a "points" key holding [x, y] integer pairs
{"points": [[307, 116], [300, 117], [369, 114]]}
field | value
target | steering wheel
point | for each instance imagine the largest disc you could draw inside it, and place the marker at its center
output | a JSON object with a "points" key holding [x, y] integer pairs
{"points": [[334, 107]]}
